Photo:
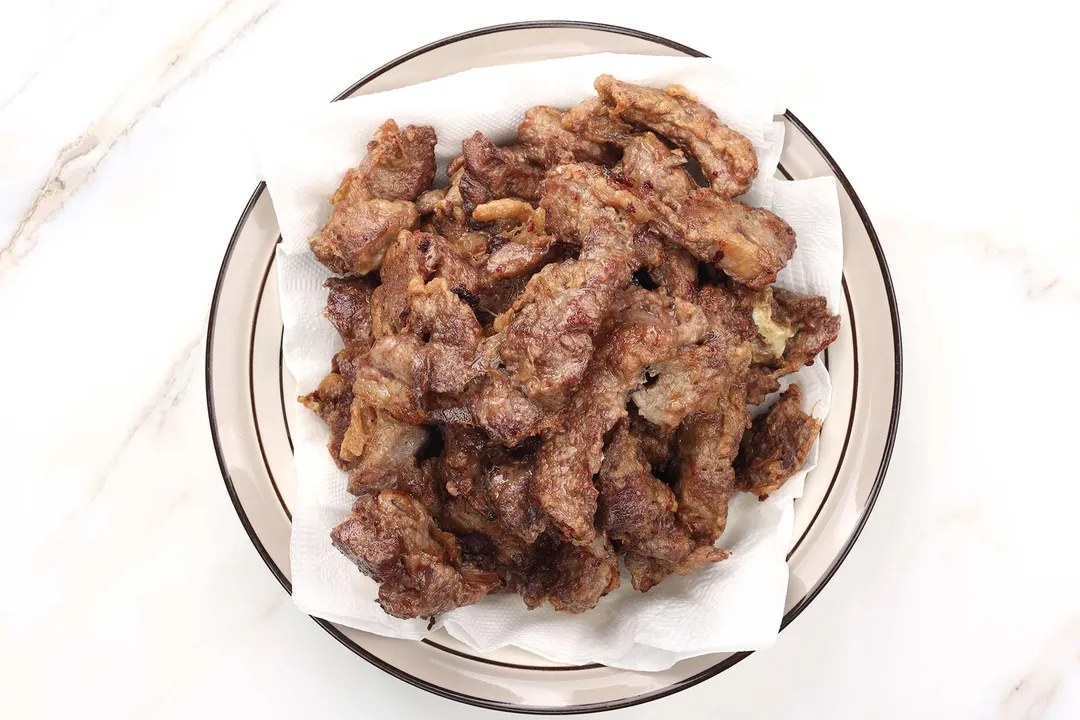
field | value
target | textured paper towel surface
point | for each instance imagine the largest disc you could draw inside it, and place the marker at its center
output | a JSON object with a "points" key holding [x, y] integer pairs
{"points": [[733, 605]]}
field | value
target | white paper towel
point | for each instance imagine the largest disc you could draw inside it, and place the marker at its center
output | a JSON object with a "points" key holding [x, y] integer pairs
{"points": [[736, 604]]}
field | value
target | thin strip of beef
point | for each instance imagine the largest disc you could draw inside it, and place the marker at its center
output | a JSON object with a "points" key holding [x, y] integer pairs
{"points": [[726, 157], [571, 577], [543, 344], [677, 273], [391, 537], [649, 163], [692, 381], [332, 401], [750, 244], [637, 513], [577, 196], [647, 329], [708, 444], [492, 172], [356, 236], [486, 502], [657, 443], [776, 446], [593, 120], [348, 308], [399, 165], [413, 256], [433, 354], [546, 143], [381, 451], [521, 250], [792, 330], [373, 202]]}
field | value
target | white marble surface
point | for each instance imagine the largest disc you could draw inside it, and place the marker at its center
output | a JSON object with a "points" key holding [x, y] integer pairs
{"points": [[129, 589]]}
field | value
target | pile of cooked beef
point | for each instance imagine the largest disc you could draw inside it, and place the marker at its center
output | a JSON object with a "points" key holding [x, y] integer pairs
{"points": [[548, 362]]}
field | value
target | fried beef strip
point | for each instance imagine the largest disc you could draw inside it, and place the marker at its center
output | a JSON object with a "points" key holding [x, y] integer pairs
{"points": [[657, 443], [776, 446], [649, 163], [594, 121], [348, 308], [749, 244], [576, 196], [648, 328], [792, 330], [708, 444], [637, 513], [697, 375], [572, 577], [373, 202], [393, 540], [546, 143], [492, 172], [432, 354], [716, 417], [726, 157], [544, 342]]}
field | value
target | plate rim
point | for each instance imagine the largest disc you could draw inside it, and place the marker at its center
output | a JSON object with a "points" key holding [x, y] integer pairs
{"points": [[709, 672]]}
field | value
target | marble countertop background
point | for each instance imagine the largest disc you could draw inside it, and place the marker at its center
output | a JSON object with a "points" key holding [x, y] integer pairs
{"points": [[129, 588]]}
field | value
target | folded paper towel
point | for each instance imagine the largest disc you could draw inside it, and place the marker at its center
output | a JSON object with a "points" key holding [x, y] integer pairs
{"points": [[733, 605]]}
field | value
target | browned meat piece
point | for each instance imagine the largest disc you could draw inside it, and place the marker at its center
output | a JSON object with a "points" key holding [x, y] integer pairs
{"points": [[450, 218], [526, 253], [708, 443], [493, 480], [677, 274], [433, 353], [637, 513], [776, 446], [692, 381], [726, 157], [373, 202], [348, 307], [392, 539], [487, 501], [393, 377], [572, 578], [513, 209], [649, 163], [593, 120], [492, 172], [657, 444], [356, 235], [417, 256], [543, 344], [331, 401], [381, 450], [429, 201], [399, 165], [792, 329], [546, 143], [575, 197], [749, 244], [647, 329], [450, 334], [520, 250]]}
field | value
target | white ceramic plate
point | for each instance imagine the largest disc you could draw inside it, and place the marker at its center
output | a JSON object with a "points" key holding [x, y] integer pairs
{"points": [[251, 401]]}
